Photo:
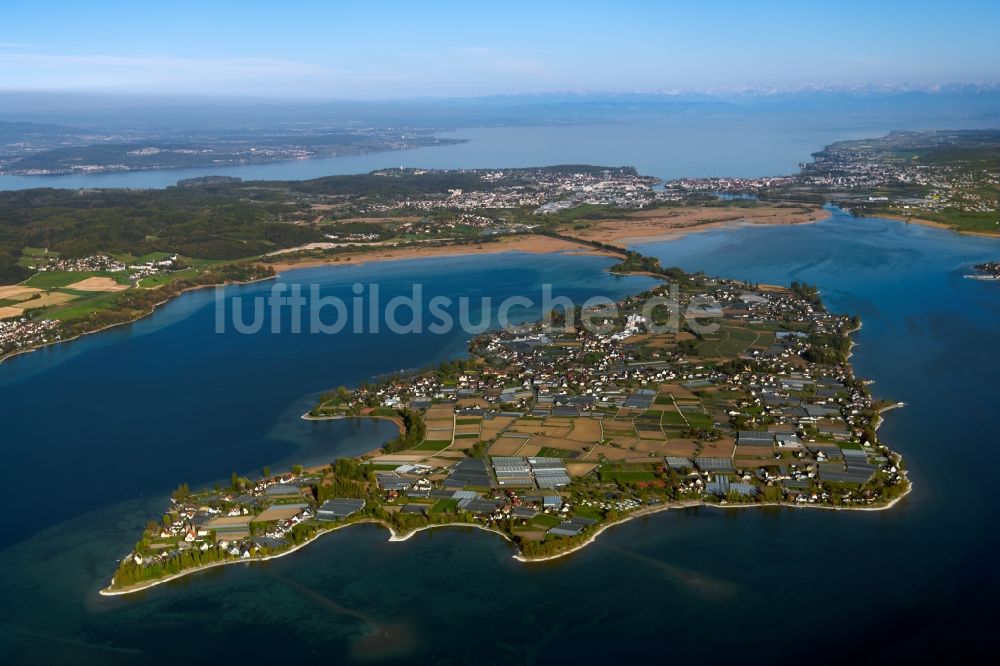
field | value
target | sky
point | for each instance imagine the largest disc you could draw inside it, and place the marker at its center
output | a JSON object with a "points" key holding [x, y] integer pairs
{"points": [[382, 50]]}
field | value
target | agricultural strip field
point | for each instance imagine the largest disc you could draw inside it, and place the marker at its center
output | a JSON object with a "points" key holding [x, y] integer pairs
{"points": [[733, 341], [97, 284]]}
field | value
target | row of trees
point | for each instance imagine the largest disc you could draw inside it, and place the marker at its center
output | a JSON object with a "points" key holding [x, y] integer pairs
{"points": [[452, 369], [807, 292], [827, 348], [130, 572], [608, 247], [414, 431], [634, 262]]}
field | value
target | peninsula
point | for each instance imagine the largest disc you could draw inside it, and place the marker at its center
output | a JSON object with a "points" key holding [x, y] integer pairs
{"points": [[549, 433]]}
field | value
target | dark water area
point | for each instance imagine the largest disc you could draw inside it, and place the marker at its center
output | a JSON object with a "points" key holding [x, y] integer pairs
{"points": [[140, 408], [98, 430]]}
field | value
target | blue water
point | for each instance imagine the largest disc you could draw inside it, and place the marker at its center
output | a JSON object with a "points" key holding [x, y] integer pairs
{"points": [[106, 425], [671, 149], [141, 408]]}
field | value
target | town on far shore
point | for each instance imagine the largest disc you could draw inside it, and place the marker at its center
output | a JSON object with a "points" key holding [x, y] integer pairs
{"points": [[550, 432], [77, 261], [70, 284], [949, 178]]}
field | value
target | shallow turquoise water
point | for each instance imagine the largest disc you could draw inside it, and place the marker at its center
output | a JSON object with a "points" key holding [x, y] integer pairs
{"points": [[916, 580]]}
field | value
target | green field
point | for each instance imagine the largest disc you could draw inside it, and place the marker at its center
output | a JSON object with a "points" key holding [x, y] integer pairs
{"points": [[587, 512], [672, 418], [84, 307], [429, 445], [553, 452], [627, 477], [468, 435], [54, 279], [965, 220], [30, 255], [627, 472], [545, 520], [699, 420], [384, 411], [732, 341], [445, 506], [37, 252], [154, 281]]}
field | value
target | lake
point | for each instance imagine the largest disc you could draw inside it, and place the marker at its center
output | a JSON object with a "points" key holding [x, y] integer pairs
{"points": [[670, 149], [97, 431]]}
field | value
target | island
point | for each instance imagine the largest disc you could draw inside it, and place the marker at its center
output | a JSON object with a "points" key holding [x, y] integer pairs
{"points": [[551, 432]]}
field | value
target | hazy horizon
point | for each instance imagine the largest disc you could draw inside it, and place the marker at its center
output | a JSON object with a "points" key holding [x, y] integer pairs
{"points": [[402, 51]]}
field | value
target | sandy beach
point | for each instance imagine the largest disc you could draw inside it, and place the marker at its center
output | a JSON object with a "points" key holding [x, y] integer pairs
{"points": [[532, 244], [395, 419], [641, 226], [671, 223]]}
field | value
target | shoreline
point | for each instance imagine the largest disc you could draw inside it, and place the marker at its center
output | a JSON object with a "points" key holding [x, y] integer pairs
{"points": [[108, 170], [924, 222], [397, 537], [528, 243], [643, 227], [647, 227], [395, 419], [681, 232], [394, 536], [695, 504], [156, 306], [519, 554]]}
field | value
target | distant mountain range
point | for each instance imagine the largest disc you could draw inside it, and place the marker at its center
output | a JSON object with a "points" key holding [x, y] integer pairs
{"points": [[117, 114]]}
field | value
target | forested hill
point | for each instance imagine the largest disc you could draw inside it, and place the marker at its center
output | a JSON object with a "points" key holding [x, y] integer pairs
{"points": [[214, 218], [224, 223]]}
